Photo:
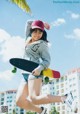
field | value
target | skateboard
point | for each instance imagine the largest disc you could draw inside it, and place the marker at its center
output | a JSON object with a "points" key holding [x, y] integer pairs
{"points": [[29, 66]]}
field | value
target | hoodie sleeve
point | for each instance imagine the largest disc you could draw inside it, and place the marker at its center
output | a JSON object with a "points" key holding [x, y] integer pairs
{"points": [[45, 56], [27, 28]]}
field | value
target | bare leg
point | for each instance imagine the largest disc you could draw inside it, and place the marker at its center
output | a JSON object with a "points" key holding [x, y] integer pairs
{"points": [[34, 94], [33, 90], [46, 99], [22, 101]]}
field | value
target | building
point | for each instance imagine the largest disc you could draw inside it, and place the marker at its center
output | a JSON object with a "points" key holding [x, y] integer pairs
{"points": [[7, 98], [68, 82]]}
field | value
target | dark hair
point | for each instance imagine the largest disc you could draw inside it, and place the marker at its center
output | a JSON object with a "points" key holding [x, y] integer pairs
{"points": [[44, 36]]}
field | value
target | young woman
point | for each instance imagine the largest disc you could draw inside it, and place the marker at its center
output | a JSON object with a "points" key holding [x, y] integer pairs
{"points": [[36, 50]]}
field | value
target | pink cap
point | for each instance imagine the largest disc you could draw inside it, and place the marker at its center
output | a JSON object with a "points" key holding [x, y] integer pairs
{"points": [[37, 24]]}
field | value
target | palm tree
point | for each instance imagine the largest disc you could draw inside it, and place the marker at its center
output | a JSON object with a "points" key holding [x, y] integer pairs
{"points": [[22, 4]]}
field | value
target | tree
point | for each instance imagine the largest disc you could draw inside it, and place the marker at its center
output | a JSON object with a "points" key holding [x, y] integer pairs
{"points": [[14, 112], [46, 80], [54, 111], [29, 112], [22, 4]]}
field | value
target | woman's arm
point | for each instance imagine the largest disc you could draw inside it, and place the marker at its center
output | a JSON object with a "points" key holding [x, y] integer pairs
{"points": [[45, 56], [28, 27]]}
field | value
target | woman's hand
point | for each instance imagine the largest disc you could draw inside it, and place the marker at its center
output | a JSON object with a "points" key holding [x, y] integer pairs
{"points": [[36, 72]]}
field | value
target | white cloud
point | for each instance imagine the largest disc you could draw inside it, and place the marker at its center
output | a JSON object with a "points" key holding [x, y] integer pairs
{"points": [[4, 36], [74, 35], [58, 22], [74, 15], [10, 46], [6, 75], [77, 32]]}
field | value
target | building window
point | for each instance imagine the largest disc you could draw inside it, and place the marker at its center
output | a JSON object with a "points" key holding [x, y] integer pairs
{"points": [[62, 79], [75, 90], [2, 99], [53, 93], [57, 86], [65, 77], [62, 85], [70, 80], [21, 110], [2, 94], [2, 103], [58, 108], [74, 78], [53, 87], [70, 85], [63, 112], [10, 109], [57, 80], [75, 96], [58, 103], [10, 96], [57, 92], [10, 105], [63, 107], [62, 90]]}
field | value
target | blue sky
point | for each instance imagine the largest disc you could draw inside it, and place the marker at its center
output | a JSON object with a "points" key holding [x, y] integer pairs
{"points": [[64, 36]]}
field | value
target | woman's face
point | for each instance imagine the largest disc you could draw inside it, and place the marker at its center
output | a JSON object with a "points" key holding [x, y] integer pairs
{"points": [[36, 34]]}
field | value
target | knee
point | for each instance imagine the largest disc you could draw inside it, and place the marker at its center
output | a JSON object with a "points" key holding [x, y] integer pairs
{"points": [[18, 101], [34, 99], [21, 101]]}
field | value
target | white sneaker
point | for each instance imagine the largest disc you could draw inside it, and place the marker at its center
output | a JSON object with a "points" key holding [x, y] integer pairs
{"points": [[71, 102], [44, 111]]}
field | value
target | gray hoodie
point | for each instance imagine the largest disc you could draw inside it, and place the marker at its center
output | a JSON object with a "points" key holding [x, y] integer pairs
{"points": [[37, 51]]}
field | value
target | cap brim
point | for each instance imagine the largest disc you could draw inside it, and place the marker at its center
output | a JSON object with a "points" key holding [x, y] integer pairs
{"points": [[34, 27]]}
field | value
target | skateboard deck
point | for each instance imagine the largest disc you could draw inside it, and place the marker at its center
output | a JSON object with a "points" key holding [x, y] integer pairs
{"points": [[29, 66]]}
